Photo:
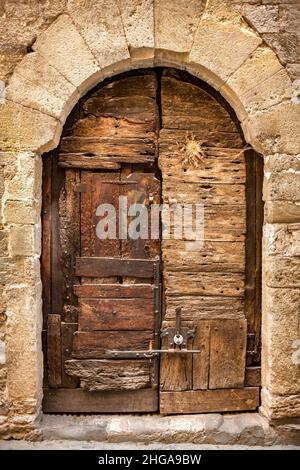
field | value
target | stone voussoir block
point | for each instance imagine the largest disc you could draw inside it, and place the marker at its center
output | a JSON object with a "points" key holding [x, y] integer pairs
{"points": [[222, 46], [176, 23], [22, 128], [138, 22], [38, 85], [101, 27], [64, 48]]}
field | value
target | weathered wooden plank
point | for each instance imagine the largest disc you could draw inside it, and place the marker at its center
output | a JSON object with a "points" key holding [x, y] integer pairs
{"points": [[220, 222], [204, 284], [54, 351], [57, 282], [209, 136], [144, 83], [186, 106], [107, 146], [72, 160], [221, 169], [95, 344], [115, 291], [201, 341], [102, 191], [135, 108], [139, 187], [116, 314], [46, 236], [212, 256], [205, 307], [103, 267], [209, 401], [206, 193], [69, 234], [96, 375], [253, 377], [227, 353], [81, 401], [176, 370], [106, 126], [67, 332]]}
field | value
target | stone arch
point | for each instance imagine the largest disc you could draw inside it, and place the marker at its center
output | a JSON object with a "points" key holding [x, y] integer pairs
{"points": [[86, 45]]}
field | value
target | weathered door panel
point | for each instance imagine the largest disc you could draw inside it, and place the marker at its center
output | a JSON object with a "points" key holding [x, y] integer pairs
{"points": [[104, 298], [202, 162]]}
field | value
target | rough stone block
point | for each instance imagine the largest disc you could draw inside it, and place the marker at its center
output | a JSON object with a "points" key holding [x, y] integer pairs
{"points": [[209, 51], [276, 130], [20, 212], [63, 47], [40, 86], [24, 240], [282, 239], [282, 212], [280, 407], [101, 26], [26, 180], [282, 271], [176, 23], [4, 238], [27, 129], [277, 162], [138, 22], [281, 308], [264, 18], [282, 185], [285, 45]]}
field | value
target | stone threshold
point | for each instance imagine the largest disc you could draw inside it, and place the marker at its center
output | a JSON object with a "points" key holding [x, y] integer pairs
{"points": [[248, 429]]}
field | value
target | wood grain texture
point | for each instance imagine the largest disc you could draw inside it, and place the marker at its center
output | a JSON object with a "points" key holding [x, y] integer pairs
{"points": [[116, 314], [95, 344], [115, 291], [67, 334], [204, 307], [96, 375], [106, 267], [227, 353], [201, 341], [81, 401], [253, 377], [54, 351], [209, 401]]}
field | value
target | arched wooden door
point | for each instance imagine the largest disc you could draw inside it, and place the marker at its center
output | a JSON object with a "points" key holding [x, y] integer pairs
{"points": [[109, 302]]}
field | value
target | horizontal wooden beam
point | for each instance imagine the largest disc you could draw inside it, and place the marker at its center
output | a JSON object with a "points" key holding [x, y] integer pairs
{"points": [[81, 401], [70, 160], [121, 291], [209, 401], [106, 267]]}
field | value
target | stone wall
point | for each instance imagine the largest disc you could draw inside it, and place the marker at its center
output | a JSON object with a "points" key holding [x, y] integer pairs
{"points": [[245, 49]]}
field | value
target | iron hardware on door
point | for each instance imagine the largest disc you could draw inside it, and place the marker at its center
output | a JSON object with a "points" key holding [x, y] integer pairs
{"points": [[178, 339]]}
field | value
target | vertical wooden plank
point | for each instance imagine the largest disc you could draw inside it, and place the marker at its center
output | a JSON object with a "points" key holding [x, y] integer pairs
{"points": [[227, 353], [175, 370], [201, 360], [54, 351], [46, 236], [67, 332], [85, 212], [58, 284], [259, 213], [70, 242]]}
